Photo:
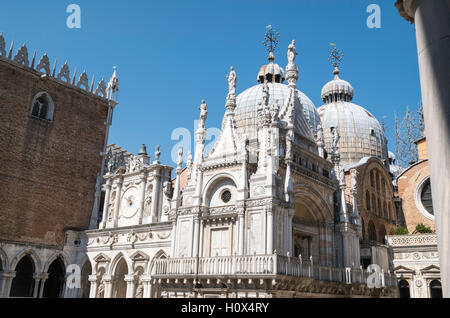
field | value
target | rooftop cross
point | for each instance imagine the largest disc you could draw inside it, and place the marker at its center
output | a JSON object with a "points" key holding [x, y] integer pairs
{"points": [[336, 56], [271, 39]]}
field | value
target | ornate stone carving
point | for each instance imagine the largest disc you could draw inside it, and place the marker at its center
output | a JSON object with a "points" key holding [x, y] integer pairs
{"points": [[203, 113], [101, 89], [22, 56], [83, 81], [64, 72], [44, 64]]}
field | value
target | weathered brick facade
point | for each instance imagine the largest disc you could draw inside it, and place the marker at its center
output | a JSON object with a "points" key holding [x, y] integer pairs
{"points": [[48, 168]]}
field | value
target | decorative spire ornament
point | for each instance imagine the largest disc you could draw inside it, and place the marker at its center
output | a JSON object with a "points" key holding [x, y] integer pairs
{"points": [[271, 39], [335, 59]]}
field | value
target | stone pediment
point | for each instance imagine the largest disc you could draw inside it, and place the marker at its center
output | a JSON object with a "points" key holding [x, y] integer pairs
{"points": [[102, 258], [431, 269], [403, 269]]}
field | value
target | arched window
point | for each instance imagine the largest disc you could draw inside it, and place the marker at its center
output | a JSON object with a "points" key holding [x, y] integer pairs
{"points": [[23, 283], [53, 287], [42, 106], [435, 289], [374, 204], [379, 211], [367, 201], [378, 182], [363, 228], [403, 285], [372, 179], [385, 212]]}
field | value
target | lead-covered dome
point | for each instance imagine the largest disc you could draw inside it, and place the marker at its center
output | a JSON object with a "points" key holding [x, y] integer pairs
{"points": [[361, 135], [247, 106]]}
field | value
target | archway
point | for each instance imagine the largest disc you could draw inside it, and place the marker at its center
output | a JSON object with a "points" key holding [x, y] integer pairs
{"points": [[435, 289], [85, 284], [403, 285], [23, 283], [120, 285], [53, 287]]}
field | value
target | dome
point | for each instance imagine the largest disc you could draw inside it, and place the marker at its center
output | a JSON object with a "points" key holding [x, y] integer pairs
{"points": [[360, 132], [272, 72], [337, 90], [247, 106]]}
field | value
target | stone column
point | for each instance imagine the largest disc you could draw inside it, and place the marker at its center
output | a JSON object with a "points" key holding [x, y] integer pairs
{"points": [[93, 291], [155, 197], [106, 205], [38, 288], [130, 279], [117, 203], [269, 244], [146, 280], [174, 236], [432, 21], [107, 281], [6, 279], [196, 236], [241, 220], [142, 199]]}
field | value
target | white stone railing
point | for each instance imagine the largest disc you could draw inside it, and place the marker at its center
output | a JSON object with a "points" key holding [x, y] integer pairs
{"points": [[412, 240], [260, 266]]}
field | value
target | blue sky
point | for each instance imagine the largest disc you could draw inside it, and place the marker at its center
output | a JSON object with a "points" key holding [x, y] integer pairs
{"points": [[172, 54]]}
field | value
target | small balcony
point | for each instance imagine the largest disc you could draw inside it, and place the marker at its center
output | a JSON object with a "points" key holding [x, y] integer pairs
{"points": [[260, 267]]}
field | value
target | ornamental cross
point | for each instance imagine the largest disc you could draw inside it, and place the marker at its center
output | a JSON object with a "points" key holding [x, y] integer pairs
{"points": [[336, 56], [271, 39]]}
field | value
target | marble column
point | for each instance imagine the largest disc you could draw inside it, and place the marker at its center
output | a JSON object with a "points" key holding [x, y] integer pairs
{"points": [[241, 221], [155, 197], [269, 244], [142, 199], [6, 279], [432, 25], [196, 236], [107, 281], [106, 205], [117, 203], [130, 279], [93, 279]]}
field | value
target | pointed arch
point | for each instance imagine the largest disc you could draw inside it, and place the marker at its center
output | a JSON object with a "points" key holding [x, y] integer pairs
{"points": [[116, 261], [159, 255], [54, 257], [27, 252], [314, 200]]}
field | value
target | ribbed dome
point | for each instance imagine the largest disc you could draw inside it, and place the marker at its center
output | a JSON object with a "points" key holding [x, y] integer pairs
{"points": [[360, 132], [337, 90], [247, 106], [272, 72]]}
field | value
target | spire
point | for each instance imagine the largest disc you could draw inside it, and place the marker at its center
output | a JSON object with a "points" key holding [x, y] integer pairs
{"points": [[335, 59], [143, 156], [143, 151], [271, 39]]}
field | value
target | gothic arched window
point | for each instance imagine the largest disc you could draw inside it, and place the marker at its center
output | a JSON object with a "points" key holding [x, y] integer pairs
{"points": [[367, 201], [42, 106]]}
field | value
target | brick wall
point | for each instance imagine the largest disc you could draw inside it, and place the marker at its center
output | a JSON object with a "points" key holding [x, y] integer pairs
{"points": [[48, 170]]}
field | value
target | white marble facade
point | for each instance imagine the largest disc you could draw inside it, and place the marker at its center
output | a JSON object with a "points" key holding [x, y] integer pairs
{"points": [[256, 212]]}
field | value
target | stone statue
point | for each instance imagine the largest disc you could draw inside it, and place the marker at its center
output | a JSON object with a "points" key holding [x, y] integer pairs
{"points": [[167, 188], [110, 164], [336, 138], [232, 82], [139, 291], [101, 291], [157, 154], [180, 157], [289, 141], [203, 113], [354, 180], [265, 91], [274, 111], [292, 53], [320, 138], [341, 176]]}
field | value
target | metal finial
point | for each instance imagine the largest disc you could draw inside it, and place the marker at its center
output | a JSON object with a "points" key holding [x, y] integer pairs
{"points": [[336, 56], [271, 39]]}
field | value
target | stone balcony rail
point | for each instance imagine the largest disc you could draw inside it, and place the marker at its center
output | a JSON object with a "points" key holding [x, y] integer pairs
{"points": [[260, 266], [412, 240]]}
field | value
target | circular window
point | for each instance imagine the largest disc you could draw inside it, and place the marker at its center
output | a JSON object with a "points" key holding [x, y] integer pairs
{"points": [[424, 198], [226, 196]]}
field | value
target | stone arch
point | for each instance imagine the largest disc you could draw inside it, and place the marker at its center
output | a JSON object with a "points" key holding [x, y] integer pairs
{"points": [[159, 255], [86, 271], [54, 284], [101, 261], [3, 261], [23, 283], [313, 199], [30, 252], [116, 260], [42, 106], [367, 201], [213, 190], [54, 257], [139, 259], [403, 285], [121, 270], [435, 289]]}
